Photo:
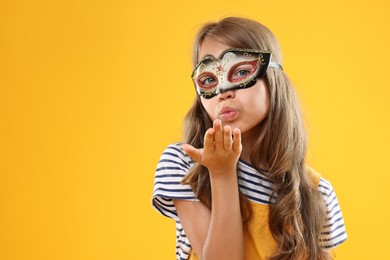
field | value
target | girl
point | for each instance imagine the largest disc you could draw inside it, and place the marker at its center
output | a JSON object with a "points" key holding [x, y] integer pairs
{"points": [[238, 187]]}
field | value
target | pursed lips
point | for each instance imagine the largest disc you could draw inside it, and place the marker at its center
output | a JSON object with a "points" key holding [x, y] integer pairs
{"points": [[227, 113]]}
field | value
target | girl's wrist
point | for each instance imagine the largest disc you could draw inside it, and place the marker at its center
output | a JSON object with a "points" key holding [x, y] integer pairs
{"points": [[223, 174]]}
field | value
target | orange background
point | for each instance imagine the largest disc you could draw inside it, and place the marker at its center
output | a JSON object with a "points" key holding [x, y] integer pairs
{"points": [[91, 92]]}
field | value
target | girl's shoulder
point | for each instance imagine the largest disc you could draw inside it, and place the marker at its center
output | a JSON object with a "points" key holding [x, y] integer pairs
{"points": [[323, 186], [174, 154], [177, 149]]}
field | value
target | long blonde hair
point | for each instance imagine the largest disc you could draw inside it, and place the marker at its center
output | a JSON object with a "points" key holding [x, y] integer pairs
{"points": [[298, 213]]}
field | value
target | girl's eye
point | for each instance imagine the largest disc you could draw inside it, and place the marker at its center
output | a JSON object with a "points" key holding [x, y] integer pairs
{"points": [[242, 71], [207, 81]]}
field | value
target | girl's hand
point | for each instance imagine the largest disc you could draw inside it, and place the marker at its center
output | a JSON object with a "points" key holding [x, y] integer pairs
{"points": [[221, 151]]}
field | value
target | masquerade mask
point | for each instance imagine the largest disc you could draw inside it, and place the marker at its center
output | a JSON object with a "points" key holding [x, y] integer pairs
{"points": [[234, 69]]}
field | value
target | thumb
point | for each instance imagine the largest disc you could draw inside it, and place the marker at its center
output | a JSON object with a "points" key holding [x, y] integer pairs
{"points": [[194, 153]]}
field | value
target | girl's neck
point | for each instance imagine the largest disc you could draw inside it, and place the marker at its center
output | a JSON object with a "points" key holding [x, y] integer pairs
{"points": [[245, 155], [247, 142]]}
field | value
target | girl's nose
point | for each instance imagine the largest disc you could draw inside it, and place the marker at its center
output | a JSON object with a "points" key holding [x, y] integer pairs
{"points": [[226, 95]]}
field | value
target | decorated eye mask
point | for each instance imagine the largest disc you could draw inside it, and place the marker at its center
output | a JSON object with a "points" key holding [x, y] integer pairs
{"points": [[234, 69]]}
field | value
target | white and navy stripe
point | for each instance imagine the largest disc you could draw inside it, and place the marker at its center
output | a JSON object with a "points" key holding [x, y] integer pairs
{"points": [[174, 165], [333, 232]]}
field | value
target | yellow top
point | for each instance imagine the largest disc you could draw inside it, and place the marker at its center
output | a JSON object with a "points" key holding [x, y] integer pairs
{"points": [[258, 240]]}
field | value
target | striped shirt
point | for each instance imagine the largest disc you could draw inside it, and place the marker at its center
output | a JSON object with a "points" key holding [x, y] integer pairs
{"points": [[174, 164]]}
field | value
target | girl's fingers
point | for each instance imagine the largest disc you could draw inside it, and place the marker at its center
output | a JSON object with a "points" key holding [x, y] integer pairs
{"points": [[209, 140], [227, 137], [237, 140], [218, 135]]}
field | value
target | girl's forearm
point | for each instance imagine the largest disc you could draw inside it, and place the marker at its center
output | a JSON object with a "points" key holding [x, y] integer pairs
{"points": [[225, 238]]}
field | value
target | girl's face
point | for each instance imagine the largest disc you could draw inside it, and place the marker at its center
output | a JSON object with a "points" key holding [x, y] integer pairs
{"points": [[244, 108]]}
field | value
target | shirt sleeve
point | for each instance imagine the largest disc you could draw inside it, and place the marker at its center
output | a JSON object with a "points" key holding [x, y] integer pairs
{"points": [[333, 232], [173, 165]]}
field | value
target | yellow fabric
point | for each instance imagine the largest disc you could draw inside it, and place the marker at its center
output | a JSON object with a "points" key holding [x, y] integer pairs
{"points": [[314, 176], [259, 243], [258, 240]]}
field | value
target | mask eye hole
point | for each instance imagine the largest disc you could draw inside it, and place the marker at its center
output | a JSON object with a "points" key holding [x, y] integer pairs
{"points": [[242, 71], [207, 81]]}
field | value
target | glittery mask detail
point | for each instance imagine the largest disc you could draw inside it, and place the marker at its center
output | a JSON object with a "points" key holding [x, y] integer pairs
{"points": [[234, 69]]}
